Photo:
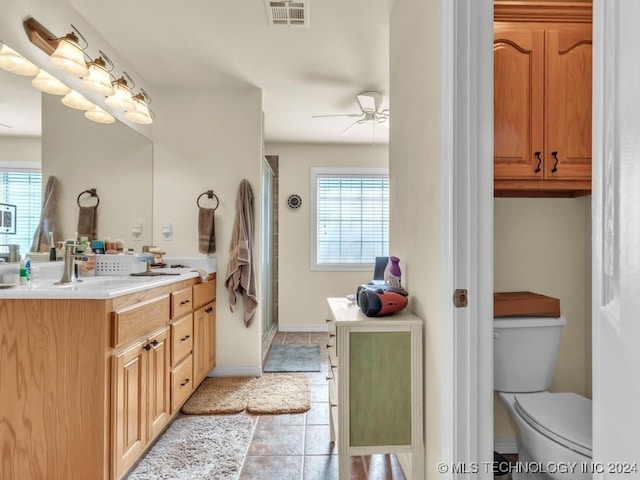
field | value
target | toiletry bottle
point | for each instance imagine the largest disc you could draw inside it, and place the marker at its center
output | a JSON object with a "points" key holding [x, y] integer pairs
{"points": [[23, 272], [53, 254], [394, 272], [27, 267]]}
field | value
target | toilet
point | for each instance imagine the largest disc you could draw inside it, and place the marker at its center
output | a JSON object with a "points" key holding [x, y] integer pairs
{"points": [[555, 428]]}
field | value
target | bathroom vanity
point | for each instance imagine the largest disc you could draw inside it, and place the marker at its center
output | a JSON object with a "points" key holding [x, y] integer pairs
{"points": [[90, 374], [375, 386]]}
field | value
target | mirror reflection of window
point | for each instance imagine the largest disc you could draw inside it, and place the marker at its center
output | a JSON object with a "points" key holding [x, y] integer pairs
{"points": [[22, 188]]}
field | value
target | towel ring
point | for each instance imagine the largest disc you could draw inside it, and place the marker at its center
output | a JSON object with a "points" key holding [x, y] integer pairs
{"points": [[209, 194], [93, 193]]}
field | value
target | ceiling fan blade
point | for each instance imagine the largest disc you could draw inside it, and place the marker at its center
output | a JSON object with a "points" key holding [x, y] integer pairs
{"points": [[338, 115], [344, 132]]}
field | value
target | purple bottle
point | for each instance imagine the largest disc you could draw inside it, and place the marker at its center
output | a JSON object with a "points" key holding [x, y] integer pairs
{"points": [[394, 272]]}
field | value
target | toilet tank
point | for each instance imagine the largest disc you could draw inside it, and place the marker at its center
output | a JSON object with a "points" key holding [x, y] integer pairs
{"points": [[525, 350]]}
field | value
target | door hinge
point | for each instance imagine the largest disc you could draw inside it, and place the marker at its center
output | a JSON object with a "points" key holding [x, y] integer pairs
{"points": [[460, 298]]}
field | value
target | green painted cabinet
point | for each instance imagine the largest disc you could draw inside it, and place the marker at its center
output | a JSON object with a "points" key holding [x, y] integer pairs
{"points": [[375, 386]]}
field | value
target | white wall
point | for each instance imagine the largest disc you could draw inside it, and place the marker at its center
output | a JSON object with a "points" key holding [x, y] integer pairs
{"points": [[21, 150], [543, 245], [302, 292], [210, 140], [414, 169]]}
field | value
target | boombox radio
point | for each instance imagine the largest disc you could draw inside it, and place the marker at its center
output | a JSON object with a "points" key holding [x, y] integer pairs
{"points": [[381, 300]]}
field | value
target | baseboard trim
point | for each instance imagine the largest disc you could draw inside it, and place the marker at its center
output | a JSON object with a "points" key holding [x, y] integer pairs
{"points": [[303, 328], [505, 445], [235, 372]]}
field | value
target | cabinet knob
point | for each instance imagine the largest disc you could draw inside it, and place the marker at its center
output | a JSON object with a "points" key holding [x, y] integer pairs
{"points": [[184, 302], [555, 163], [155, 343], [147, 347], [208, 309], [327, 320], [537, 154]]}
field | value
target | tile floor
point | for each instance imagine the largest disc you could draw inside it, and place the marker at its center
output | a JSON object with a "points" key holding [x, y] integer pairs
{"points": [[297, 446]]}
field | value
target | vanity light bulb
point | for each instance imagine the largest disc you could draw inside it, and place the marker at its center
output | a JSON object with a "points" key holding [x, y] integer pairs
{"points": [[99, 115], [74, 100], [69, 57], [121, 98], [140, 114], [98, 79], [13, 62], [48, 84]]}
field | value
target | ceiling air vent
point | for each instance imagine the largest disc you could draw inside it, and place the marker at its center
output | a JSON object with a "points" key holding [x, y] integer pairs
{"points": [[287, 13]]}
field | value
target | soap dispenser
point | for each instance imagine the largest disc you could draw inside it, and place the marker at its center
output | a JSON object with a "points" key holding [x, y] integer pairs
{"points": [[394, 278]]}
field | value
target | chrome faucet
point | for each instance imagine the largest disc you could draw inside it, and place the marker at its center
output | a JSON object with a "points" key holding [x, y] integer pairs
{"points": [[69, 271]]}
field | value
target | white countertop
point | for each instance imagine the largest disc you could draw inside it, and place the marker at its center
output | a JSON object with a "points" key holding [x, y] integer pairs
{"points": [[46, 274]]}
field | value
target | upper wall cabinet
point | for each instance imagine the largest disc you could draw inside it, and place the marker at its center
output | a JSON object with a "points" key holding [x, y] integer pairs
{"points": [[542, 99]]}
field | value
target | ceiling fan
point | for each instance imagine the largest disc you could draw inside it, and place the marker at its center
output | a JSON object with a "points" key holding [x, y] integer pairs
{"points": [[370, 103]]}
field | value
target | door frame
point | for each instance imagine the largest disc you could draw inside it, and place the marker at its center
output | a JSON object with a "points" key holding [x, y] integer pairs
{"points": [[467, 215]]}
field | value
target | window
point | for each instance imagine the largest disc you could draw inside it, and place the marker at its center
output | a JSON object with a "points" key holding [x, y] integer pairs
{"points": [[350, 217], [22, 188]]}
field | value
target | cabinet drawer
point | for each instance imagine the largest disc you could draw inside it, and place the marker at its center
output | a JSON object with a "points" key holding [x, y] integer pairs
{"points": [[137, 320], [204, 293], [181, 338], [181, 383], [181, 302]]}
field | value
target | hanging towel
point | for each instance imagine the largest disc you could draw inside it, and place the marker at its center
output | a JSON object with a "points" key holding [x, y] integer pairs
{"points": [[206, 230], [240, 278], [49, 218], [87, 222]]}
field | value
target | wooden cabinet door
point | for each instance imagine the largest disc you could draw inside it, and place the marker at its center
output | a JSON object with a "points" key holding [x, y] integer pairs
{"points": [[518, 101], [568, 103], [158, 382], [130, 406], [204, 348]]}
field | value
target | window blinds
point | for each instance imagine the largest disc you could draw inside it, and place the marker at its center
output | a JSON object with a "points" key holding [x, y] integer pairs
{"points": [[24, 190], [352, 219]]}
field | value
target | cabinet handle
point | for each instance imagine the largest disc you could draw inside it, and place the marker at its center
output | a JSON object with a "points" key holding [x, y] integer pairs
{"points": [[555, 164], [331, 335], [185, 338], [184, 302], [327, 320], [147, 347], [208, 309], [186, 380], [154, 343], [537, 154]]}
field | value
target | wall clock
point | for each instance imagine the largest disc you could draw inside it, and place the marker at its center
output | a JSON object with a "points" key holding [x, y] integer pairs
{"points": [[294, 201]]}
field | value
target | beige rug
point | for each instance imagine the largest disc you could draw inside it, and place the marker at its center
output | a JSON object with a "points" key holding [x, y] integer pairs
{"points": [[202, 448], [269, 394]]}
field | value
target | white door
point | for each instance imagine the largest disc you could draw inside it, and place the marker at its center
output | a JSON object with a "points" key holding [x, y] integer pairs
{"points": [[616, 240]]}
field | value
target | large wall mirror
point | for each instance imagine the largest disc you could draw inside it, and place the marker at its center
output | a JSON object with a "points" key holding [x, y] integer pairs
{"points": [[38, 130]]}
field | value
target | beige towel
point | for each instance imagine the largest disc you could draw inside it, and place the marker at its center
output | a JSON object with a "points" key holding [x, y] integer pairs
{"points": [[206, 230], [87, 222], [240, 278], [49, 218]]}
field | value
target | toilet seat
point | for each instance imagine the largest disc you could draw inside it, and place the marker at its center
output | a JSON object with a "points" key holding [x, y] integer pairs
{"points": [[563, 417]]}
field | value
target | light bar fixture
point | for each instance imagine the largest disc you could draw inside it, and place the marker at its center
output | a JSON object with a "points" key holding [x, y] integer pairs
{"points": [[67, 54]]}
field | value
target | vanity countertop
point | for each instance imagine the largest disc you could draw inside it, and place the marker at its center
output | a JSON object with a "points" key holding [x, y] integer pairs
{"points": [[101, 287]]}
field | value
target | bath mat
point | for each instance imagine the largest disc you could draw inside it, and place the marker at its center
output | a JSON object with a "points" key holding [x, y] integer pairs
{"points": [[291, 357], [202, 447], [269, 394], [218, 395]]}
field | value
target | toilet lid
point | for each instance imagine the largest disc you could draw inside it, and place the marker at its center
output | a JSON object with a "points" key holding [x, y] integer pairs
{"points": [[564, 417]]}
